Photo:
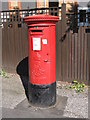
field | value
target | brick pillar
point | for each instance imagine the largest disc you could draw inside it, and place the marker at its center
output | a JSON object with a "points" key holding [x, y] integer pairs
{"points": [[40, 4]]}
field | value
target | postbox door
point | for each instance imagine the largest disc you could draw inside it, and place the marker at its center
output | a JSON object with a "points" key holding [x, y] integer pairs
{"points": [[40, 61]]}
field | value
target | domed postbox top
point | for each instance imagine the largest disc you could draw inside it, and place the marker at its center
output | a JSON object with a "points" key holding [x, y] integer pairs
{"points": [[41, 19]]}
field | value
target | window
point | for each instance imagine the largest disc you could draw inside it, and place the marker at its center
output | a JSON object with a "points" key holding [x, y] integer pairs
{"points": [[82, 15], [89, 15], [54, 5]]}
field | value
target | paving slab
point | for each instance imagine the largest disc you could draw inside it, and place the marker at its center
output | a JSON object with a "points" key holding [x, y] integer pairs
{"points": [[0, 97], [26, 110], [12, 91]]}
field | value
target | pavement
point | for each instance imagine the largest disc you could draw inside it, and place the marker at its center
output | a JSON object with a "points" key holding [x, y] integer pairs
{"points": [[15, 104]]}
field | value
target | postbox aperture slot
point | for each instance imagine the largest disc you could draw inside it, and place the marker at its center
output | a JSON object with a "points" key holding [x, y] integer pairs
{"points": [[38, 31]]}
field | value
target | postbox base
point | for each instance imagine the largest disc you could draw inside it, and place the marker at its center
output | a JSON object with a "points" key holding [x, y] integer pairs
{"points": [[42, 95]]}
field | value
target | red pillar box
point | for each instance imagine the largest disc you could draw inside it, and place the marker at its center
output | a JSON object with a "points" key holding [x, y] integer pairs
{"points": [[42, 83]]}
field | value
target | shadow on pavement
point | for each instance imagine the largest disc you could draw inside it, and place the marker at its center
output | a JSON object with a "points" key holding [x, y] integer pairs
{"points": [[22, 71]]}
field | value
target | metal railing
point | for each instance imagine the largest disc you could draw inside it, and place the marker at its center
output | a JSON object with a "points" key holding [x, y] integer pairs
{"points": [[75, 20], [79, 18], [18, 15]]}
